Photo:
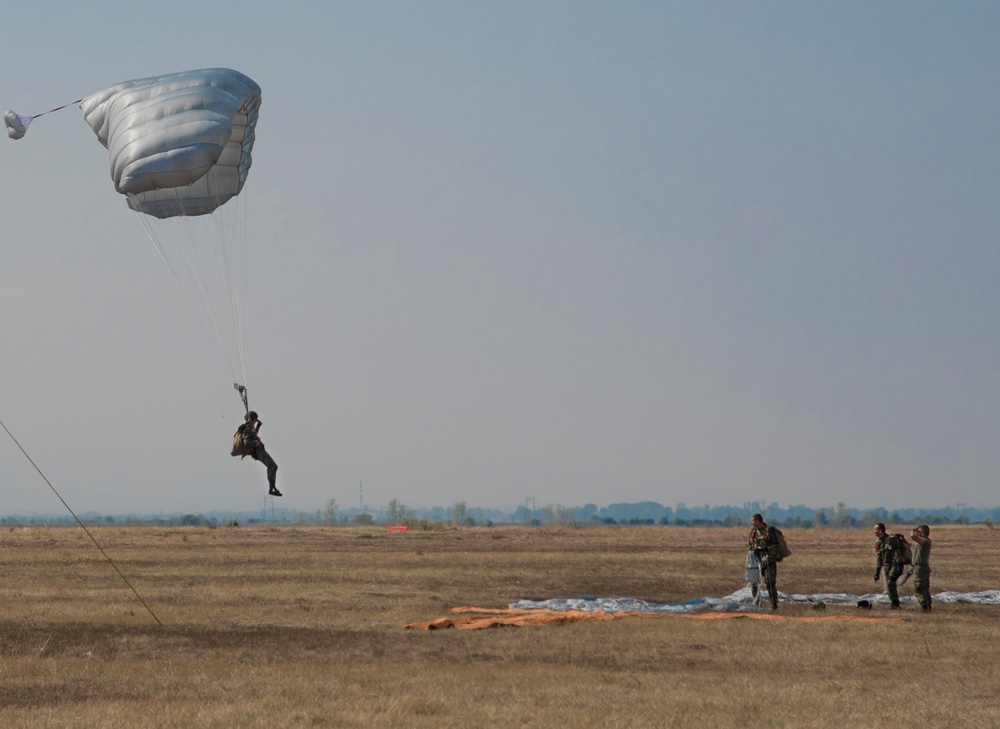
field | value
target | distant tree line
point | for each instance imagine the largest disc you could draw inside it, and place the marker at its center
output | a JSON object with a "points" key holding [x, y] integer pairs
{"points": [[642, 513]]}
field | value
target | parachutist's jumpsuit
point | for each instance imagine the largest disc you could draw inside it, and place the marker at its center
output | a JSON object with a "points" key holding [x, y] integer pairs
{"points": [[246, 442]]}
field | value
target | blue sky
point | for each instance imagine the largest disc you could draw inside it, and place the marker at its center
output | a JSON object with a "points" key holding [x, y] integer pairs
{"points": [[574, 251]]}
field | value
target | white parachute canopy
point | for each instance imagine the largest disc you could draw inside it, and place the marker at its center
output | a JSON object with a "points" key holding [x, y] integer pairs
{"points": [[180, 147], [179, 144]]}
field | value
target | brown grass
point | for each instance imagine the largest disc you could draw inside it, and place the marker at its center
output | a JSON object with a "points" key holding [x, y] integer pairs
{"points": [[302, 627]]}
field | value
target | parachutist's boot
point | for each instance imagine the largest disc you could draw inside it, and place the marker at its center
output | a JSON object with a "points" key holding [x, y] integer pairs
{"points": [[273, 491]]}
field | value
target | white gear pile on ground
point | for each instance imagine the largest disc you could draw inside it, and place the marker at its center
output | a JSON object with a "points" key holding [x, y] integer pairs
{"points": [[738, 602]]}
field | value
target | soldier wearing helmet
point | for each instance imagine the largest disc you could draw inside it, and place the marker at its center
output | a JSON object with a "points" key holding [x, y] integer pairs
{"points": [[246, 442]]}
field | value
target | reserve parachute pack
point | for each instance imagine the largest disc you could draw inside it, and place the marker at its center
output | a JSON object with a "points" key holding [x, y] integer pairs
{"points": [[783, 550], [751, 568]]}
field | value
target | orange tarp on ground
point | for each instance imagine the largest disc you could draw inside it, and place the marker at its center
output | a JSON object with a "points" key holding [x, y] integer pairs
{"points": [[480, 618]]}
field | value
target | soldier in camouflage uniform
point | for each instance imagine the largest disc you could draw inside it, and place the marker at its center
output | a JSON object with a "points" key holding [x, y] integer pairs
{"points": [[246, 442], [888, 562], [764, 544], [922, 566]]}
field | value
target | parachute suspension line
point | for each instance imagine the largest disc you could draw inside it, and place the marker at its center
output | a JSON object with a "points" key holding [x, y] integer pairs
{"points": [[82, 525], [198, 287], [231, 259], [212, 271], [211, 298], [156, 244]]}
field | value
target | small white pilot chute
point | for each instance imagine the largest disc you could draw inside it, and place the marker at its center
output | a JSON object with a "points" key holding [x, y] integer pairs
{"points": [[17, 123]]}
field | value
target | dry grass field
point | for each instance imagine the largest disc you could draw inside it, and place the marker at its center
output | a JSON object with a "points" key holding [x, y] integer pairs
{"points": [[302, 627]]}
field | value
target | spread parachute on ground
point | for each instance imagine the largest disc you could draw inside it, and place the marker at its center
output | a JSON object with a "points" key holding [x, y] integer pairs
{"points": [[180, 148]]}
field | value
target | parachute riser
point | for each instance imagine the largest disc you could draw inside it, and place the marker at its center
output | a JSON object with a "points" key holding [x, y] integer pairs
{"points": [[243, 396]]}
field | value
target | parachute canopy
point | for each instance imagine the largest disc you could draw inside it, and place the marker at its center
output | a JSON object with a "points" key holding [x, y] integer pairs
{"points": [[179, 144], [179, 147]]}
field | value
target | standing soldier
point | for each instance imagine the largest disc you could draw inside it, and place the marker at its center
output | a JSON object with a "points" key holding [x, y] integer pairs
{"points": [[888, 562], [764, 544], [922, 566]]}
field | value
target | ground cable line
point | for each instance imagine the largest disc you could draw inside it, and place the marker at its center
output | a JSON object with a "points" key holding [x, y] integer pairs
{"points": [[82, 525]]}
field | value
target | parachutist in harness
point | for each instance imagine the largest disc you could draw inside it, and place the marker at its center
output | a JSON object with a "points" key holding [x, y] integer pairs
{"points": [[763, 544], [246, 442]]}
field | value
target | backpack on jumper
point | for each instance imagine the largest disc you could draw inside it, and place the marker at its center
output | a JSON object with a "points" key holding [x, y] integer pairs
{"points": [[783, 550], [905, 551], [244, 441]]}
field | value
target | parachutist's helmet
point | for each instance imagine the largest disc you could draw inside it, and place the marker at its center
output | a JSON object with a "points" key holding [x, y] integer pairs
{"points": [[251, 416]]}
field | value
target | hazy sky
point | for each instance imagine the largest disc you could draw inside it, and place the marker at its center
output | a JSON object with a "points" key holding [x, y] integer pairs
{"points": [[574, 251]]}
